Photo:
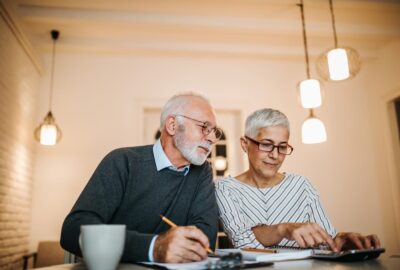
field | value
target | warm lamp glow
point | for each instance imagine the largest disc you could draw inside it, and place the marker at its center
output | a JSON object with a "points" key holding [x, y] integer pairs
{"points": [[313, 131], [338, 64], [220, 163], [48, 134], [310, 93]]}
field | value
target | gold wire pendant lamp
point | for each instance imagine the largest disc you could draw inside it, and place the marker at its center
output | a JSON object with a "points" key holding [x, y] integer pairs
{"points": [[48, 132], [338, 63]]}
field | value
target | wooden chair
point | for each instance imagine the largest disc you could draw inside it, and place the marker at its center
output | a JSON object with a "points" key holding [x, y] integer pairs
{"points": [[48, 253]]}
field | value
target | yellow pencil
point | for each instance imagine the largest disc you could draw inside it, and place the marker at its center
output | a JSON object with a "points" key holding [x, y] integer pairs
{"points": [[173, 225], [260, 250]]}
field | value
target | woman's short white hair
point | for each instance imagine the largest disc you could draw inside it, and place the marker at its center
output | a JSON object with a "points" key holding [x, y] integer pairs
{"points": [[264, 118], [177, 105]]}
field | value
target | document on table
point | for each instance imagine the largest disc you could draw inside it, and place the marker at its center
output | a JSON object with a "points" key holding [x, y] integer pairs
{"points": [[187, 266], [281, 255]]}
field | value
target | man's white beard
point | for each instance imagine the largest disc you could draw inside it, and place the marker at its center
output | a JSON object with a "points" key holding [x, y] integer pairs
{"points": [[189, 150]]}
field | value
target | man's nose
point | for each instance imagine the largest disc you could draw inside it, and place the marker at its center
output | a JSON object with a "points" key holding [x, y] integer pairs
{"points": [[211, 137]]}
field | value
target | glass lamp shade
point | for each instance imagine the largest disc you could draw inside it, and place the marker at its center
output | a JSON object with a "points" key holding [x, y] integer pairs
{"points": [[313, 131], [310, 93], [48, 132], [331, 65], [338, 64], [220, 163]]}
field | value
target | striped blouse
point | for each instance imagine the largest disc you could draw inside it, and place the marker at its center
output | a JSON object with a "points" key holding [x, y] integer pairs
{"points": [[242, 207]]}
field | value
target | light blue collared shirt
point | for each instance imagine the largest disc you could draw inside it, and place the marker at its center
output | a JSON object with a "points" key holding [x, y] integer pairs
{"points": [[163, 162]]}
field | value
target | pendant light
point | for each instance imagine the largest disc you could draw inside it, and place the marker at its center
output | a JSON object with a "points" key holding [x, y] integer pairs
{"points": [[310, 89], [313, 129], [339, 63], [48, 132]]}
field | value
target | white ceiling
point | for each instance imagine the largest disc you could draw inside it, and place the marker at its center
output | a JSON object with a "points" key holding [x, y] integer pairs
{"points": [[251, 28]]}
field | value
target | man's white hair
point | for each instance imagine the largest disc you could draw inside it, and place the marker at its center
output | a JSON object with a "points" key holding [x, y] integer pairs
{"points": [[177, 105], [264, 118]]}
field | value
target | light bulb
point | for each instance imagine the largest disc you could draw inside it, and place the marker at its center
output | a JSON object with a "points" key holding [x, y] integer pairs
{"points": [[220, 163], [48, 134], [338, 64], [313, 131], [310, 93]]}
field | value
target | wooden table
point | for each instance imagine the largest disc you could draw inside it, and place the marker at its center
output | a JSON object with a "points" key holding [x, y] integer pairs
{"points": [[380, 264]]}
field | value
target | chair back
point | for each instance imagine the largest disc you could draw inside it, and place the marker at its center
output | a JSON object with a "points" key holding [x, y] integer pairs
{"points": [[49, 253]]}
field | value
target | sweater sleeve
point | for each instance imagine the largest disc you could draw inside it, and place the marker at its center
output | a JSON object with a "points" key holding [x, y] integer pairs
{"points": [[204, 211], [97, 204]]}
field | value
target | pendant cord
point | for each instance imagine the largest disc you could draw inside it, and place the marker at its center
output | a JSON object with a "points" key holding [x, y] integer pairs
{"points": [[333, 23], [54, 35], [304, 39], [52, 77]]}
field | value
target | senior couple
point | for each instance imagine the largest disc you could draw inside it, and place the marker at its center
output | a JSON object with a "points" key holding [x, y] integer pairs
{"points": [[260, 207]]}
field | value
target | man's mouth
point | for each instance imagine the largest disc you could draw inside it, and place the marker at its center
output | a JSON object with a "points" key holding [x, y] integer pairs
{"points": [[205, 149]]}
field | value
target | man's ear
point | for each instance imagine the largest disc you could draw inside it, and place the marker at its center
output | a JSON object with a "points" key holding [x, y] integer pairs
{"points": [[170, 125], [243, 144]]}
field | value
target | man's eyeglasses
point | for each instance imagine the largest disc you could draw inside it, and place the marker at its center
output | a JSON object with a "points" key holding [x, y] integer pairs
{"points": [[284, 149], [206, 127]]}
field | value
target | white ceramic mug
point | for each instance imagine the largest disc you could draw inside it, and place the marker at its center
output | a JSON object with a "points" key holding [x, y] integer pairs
{"points": [[102, 245]]}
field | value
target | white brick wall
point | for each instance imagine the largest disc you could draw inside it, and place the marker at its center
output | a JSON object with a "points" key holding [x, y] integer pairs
{"points": [[18, 90]]}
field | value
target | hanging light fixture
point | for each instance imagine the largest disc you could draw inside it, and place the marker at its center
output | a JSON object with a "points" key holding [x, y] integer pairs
{"points": [[220, 163], [338, 63], [48, 132], [310, 89], [313, 130]]}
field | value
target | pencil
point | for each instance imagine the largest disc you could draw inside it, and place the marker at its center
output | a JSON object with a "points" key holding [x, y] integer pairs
{"points": [[260, 250], [173, 225]]}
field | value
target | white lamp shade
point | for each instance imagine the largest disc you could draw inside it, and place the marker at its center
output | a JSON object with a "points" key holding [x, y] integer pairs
{"points": [[48, 134], [220, 163], [310, 94], [338, 64], [313, 131]]}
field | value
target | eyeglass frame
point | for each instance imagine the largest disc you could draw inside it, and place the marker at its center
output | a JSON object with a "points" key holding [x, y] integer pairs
{"points": [[205, 125], [273, 146]]}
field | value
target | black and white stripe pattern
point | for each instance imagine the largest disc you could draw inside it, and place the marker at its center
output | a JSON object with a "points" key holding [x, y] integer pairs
{"points": [[242, 207]]}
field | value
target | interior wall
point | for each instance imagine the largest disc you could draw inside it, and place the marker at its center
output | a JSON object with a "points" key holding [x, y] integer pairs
{"points": [[383, 88], [98, 103], [18, 91]]}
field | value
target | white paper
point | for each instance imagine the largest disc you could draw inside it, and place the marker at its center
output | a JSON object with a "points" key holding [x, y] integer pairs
{"points": [[281, 255], [188, 266]]}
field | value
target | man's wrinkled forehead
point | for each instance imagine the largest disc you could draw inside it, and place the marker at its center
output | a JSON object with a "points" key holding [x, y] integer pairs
{"points": [[198, 107]]}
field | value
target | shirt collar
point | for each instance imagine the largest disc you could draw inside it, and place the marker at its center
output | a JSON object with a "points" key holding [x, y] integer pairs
{"points": [[162, 160]]}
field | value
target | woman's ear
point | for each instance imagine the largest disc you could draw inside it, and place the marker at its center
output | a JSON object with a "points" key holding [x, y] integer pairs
{"points": [[170, 125], [243, 144]]}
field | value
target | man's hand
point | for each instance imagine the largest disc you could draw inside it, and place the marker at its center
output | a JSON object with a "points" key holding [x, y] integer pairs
{"points": [[351, 240], [307, 234], [181, 244]]}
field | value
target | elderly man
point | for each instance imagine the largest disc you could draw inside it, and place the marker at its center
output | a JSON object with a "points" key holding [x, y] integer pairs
{"points": [[134, 185]]}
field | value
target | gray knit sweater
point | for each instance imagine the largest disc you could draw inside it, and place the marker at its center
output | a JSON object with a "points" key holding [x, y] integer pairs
{"points": [[127, 189]]}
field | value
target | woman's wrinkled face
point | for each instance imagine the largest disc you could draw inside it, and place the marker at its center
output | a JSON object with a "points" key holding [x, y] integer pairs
{"points": [[265, 163]]}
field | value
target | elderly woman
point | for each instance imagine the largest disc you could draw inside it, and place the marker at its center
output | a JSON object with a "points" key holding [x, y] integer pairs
{"points": [[263, 207]]}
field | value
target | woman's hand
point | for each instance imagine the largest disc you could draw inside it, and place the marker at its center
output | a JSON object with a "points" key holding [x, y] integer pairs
{"points": [[351, 240], [307, 234]]}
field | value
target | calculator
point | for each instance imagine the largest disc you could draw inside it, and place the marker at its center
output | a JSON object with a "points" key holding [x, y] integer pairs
{"points": [[348, 255]]}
